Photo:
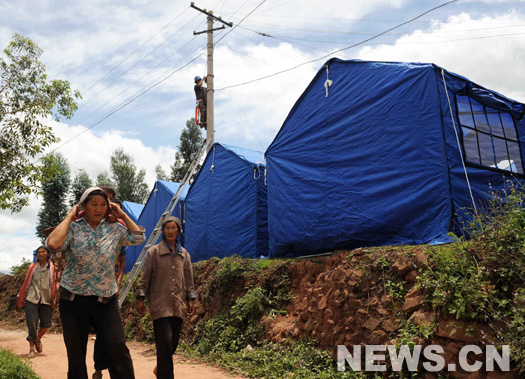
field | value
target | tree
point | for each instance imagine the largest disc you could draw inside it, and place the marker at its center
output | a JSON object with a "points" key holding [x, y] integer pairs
{"points": [[81, 182], [55, 192], [104, 179], [27, 99], [161, 174], [20, 268], [191, 141], [130, 185]]}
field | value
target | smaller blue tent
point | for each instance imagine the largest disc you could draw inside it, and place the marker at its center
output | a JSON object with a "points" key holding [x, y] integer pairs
{"points": [[133, 210], [226, 206], [158, 201]]}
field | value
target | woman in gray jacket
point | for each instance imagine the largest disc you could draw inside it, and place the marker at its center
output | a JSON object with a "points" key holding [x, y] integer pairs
{"points": [[167, 280]]}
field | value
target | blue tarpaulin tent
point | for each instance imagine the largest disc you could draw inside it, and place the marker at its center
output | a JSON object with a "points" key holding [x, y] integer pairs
{"points": [[133, 210], [226, 206], [372, 157], [156, 205]]}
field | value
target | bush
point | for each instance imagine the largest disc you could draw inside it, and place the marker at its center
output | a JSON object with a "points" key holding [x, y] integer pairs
{"points": [[483, 279], [148, 335], [12, 367], [20, 268], [298, 359]]}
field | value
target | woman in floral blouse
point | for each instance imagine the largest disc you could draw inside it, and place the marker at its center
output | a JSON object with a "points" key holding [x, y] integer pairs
{"points": [[88, 287]]}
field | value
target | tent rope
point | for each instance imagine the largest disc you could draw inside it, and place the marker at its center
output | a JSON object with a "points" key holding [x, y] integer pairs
{"points": [[256, 170], [265, 176], [457, 140], [328, 82]]}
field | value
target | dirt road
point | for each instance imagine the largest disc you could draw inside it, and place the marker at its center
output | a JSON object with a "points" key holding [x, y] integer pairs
{"points": [[52, 362]]}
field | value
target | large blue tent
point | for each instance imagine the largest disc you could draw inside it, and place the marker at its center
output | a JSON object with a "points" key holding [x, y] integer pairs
{"points": [[226, 206], [377, 153], [159, 199]]}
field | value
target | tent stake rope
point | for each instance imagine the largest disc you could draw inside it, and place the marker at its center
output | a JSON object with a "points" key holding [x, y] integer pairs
{"points": [[328, 82], [157, 231], [457, 140]]}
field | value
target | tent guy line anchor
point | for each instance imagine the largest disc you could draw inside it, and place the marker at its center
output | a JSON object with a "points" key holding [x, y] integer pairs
{"points": [[328, 82]]}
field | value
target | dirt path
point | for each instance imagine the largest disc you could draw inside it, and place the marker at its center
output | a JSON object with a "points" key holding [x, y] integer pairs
{"points": [[52, 362]]}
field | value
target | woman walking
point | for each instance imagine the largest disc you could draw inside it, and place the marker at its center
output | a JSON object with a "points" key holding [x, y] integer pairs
{"points": [[37, 295], [88, 286], [167, 280]]}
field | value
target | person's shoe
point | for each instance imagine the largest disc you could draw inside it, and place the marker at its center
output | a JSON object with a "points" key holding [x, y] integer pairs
{"points": [[38, 346], [31, 354], [97, 375]]}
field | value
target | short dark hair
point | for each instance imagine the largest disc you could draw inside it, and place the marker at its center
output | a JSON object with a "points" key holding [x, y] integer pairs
{"points": [[108, 188]]}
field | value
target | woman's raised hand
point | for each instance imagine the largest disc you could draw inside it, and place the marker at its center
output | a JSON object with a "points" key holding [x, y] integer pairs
{"points": [[116, 210], [73, 212]]}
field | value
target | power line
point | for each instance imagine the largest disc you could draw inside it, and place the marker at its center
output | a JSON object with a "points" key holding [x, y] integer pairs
{"points": [[232, 29], [288, 16], [337, 51], [126, 104], [136, 81], [370, 33], [258, 60], [136, 63], [287, 39], [134, 51]]}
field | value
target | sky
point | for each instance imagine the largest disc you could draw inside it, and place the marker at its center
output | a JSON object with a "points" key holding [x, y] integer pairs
{"points": [[134, 62]]}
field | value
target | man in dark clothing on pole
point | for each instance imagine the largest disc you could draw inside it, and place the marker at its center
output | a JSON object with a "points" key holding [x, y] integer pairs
{"points": [[200, 94]]}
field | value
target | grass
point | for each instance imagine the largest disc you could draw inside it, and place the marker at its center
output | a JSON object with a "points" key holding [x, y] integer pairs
{"points": [[12, 367]]}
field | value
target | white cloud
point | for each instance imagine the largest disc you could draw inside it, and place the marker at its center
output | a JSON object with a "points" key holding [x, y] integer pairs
{"points": [[464, 46], [14, 249]]}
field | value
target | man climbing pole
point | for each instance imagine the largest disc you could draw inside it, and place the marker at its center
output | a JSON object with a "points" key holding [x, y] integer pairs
{"points": [[200, 94]]}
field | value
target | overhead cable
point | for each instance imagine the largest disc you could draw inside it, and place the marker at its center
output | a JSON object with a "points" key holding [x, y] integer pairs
{"points": [[337, 51], [134, 51], [127, 103], [139, 61]]}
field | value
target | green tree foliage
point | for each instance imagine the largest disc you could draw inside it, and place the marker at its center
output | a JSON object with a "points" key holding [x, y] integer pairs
{"points": [[160, 173], [129, 184], [55, 192], [21, 268], [104, 179], [27, 99], [191, 141], [81, 182]]}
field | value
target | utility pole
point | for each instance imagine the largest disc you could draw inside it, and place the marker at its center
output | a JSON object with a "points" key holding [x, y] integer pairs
{"points": [[210, 121]]}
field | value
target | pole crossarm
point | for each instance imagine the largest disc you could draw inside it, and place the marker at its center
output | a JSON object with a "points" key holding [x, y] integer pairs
{"points": [[211, 30], [230, 24]]}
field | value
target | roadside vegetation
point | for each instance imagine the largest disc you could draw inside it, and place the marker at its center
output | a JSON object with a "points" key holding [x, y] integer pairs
{"points": [[482, 279], [12, 367]]}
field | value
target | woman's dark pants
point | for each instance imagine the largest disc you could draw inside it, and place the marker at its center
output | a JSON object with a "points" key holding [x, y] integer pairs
{"points": [[76, 317], [167, 332]]}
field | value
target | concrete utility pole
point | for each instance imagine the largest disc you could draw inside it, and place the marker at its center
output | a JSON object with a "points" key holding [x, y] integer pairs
{"points": [[210, 121]]}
